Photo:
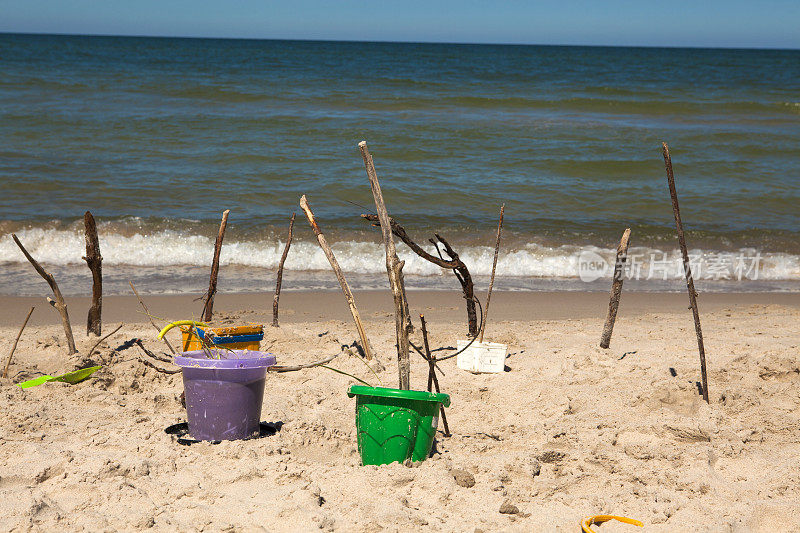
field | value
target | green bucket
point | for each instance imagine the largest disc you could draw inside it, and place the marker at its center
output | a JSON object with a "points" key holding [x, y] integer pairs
{"points": [[394, 425]]}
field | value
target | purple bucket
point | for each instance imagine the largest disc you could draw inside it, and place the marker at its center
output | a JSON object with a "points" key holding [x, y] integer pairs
{"points": [[224, 396]]}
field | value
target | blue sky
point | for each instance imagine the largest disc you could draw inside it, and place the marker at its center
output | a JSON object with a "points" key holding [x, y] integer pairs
{"points": [[733, 23]]}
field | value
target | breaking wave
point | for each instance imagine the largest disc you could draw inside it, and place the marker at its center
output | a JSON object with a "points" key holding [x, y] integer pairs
{"points": [[167, 248]]}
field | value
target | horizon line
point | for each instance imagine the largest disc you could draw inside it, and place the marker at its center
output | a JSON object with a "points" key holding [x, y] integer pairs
{"points": [[369, 41]]}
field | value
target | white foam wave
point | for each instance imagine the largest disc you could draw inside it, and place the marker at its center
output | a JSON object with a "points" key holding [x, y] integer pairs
{"points": [[173, 248]]}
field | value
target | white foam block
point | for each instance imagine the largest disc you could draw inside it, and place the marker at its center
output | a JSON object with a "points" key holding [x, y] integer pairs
{"points": [[482, 357]]}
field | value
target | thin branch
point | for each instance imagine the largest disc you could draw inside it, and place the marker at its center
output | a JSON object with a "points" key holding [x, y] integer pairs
{"points": [[149, 316], [14, 346], [147, 363], [208, 308], [294, 368], [432, 379], [138, 342], [686, 268], [494, 268], [455, 264], [400, 232], [351, 301], [280, 274], [101, 340], [59, 304]]}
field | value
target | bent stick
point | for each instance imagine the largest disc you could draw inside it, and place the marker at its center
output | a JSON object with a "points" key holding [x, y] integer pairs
{"points": [[58, 304]]}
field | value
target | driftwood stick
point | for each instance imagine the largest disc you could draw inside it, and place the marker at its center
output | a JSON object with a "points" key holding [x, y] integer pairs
{"points": [[432, 379], [208, 308], [616, 288], [351, 301], [150, 317], [157, 357], [494, 269], [101, 340], [280, 274], [14, 346], [686, 268], [58, 304], [394, 268], [293, 368], [95, 262], [455, 264], [148, 364]]}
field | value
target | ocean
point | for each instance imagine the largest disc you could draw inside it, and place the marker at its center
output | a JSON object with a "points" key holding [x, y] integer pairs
{"points": [[157, 136]]}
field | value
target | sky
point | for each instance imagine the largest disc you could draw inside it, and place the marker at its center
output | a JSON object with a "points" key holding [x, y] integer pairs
{"points": [[702, 23]]}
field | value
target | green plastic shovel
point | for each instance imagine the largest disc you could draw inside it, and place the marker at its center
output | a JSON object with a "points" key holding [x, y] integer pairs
{"points": [[76, 376]]}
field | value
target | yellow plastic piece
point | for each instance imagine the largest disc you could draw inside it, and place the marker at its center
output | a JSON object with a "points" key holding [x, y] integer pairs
{"points": [[179, 323], [599, 519]]}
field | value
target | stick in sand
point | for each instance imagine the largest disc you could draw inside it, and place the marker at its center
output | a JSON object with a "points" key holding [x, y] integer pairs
{"points": [[686, 268], [95, 262], [394, 267], [208, 308], [101, 340], [58, 304], [14, 346], [494, 268], [280, 275], [432, 379], [149, 316], [351, 301], [616, 288], [454, 263]]}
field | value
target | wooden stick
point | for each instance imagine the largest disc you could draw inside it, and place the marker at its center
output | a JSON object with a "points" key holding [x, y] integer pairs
{"points": [[95, 262], [208, 309], [294, 368], [14, 346], [394, 267], [147, 363], [147, 312], [686, 268], [58, 304], [455, 264], [432, 372], [280, 274], [101, 340], [616, 288], [494, 268], [351, 301]]}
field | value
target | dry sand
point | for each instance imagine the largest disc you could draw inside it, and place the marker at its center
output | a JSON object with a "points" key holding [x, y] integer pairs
{"points": [[570, 430]]}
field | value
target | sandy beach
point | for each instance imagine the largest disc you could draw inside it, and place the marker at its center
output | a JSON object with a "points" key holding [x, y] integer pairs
{"points": [[569, 430]]}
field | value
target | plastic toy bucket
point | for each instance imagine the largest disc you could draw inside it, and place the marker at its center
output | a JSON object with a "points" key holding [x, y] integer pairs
{"points": [[224, 394], [395, 425], [233, 338]]}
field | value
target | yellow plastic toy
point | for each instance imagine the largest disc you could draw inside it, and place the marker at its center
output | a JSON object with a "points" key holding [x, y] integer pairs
{"points": [[599, 519]]}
